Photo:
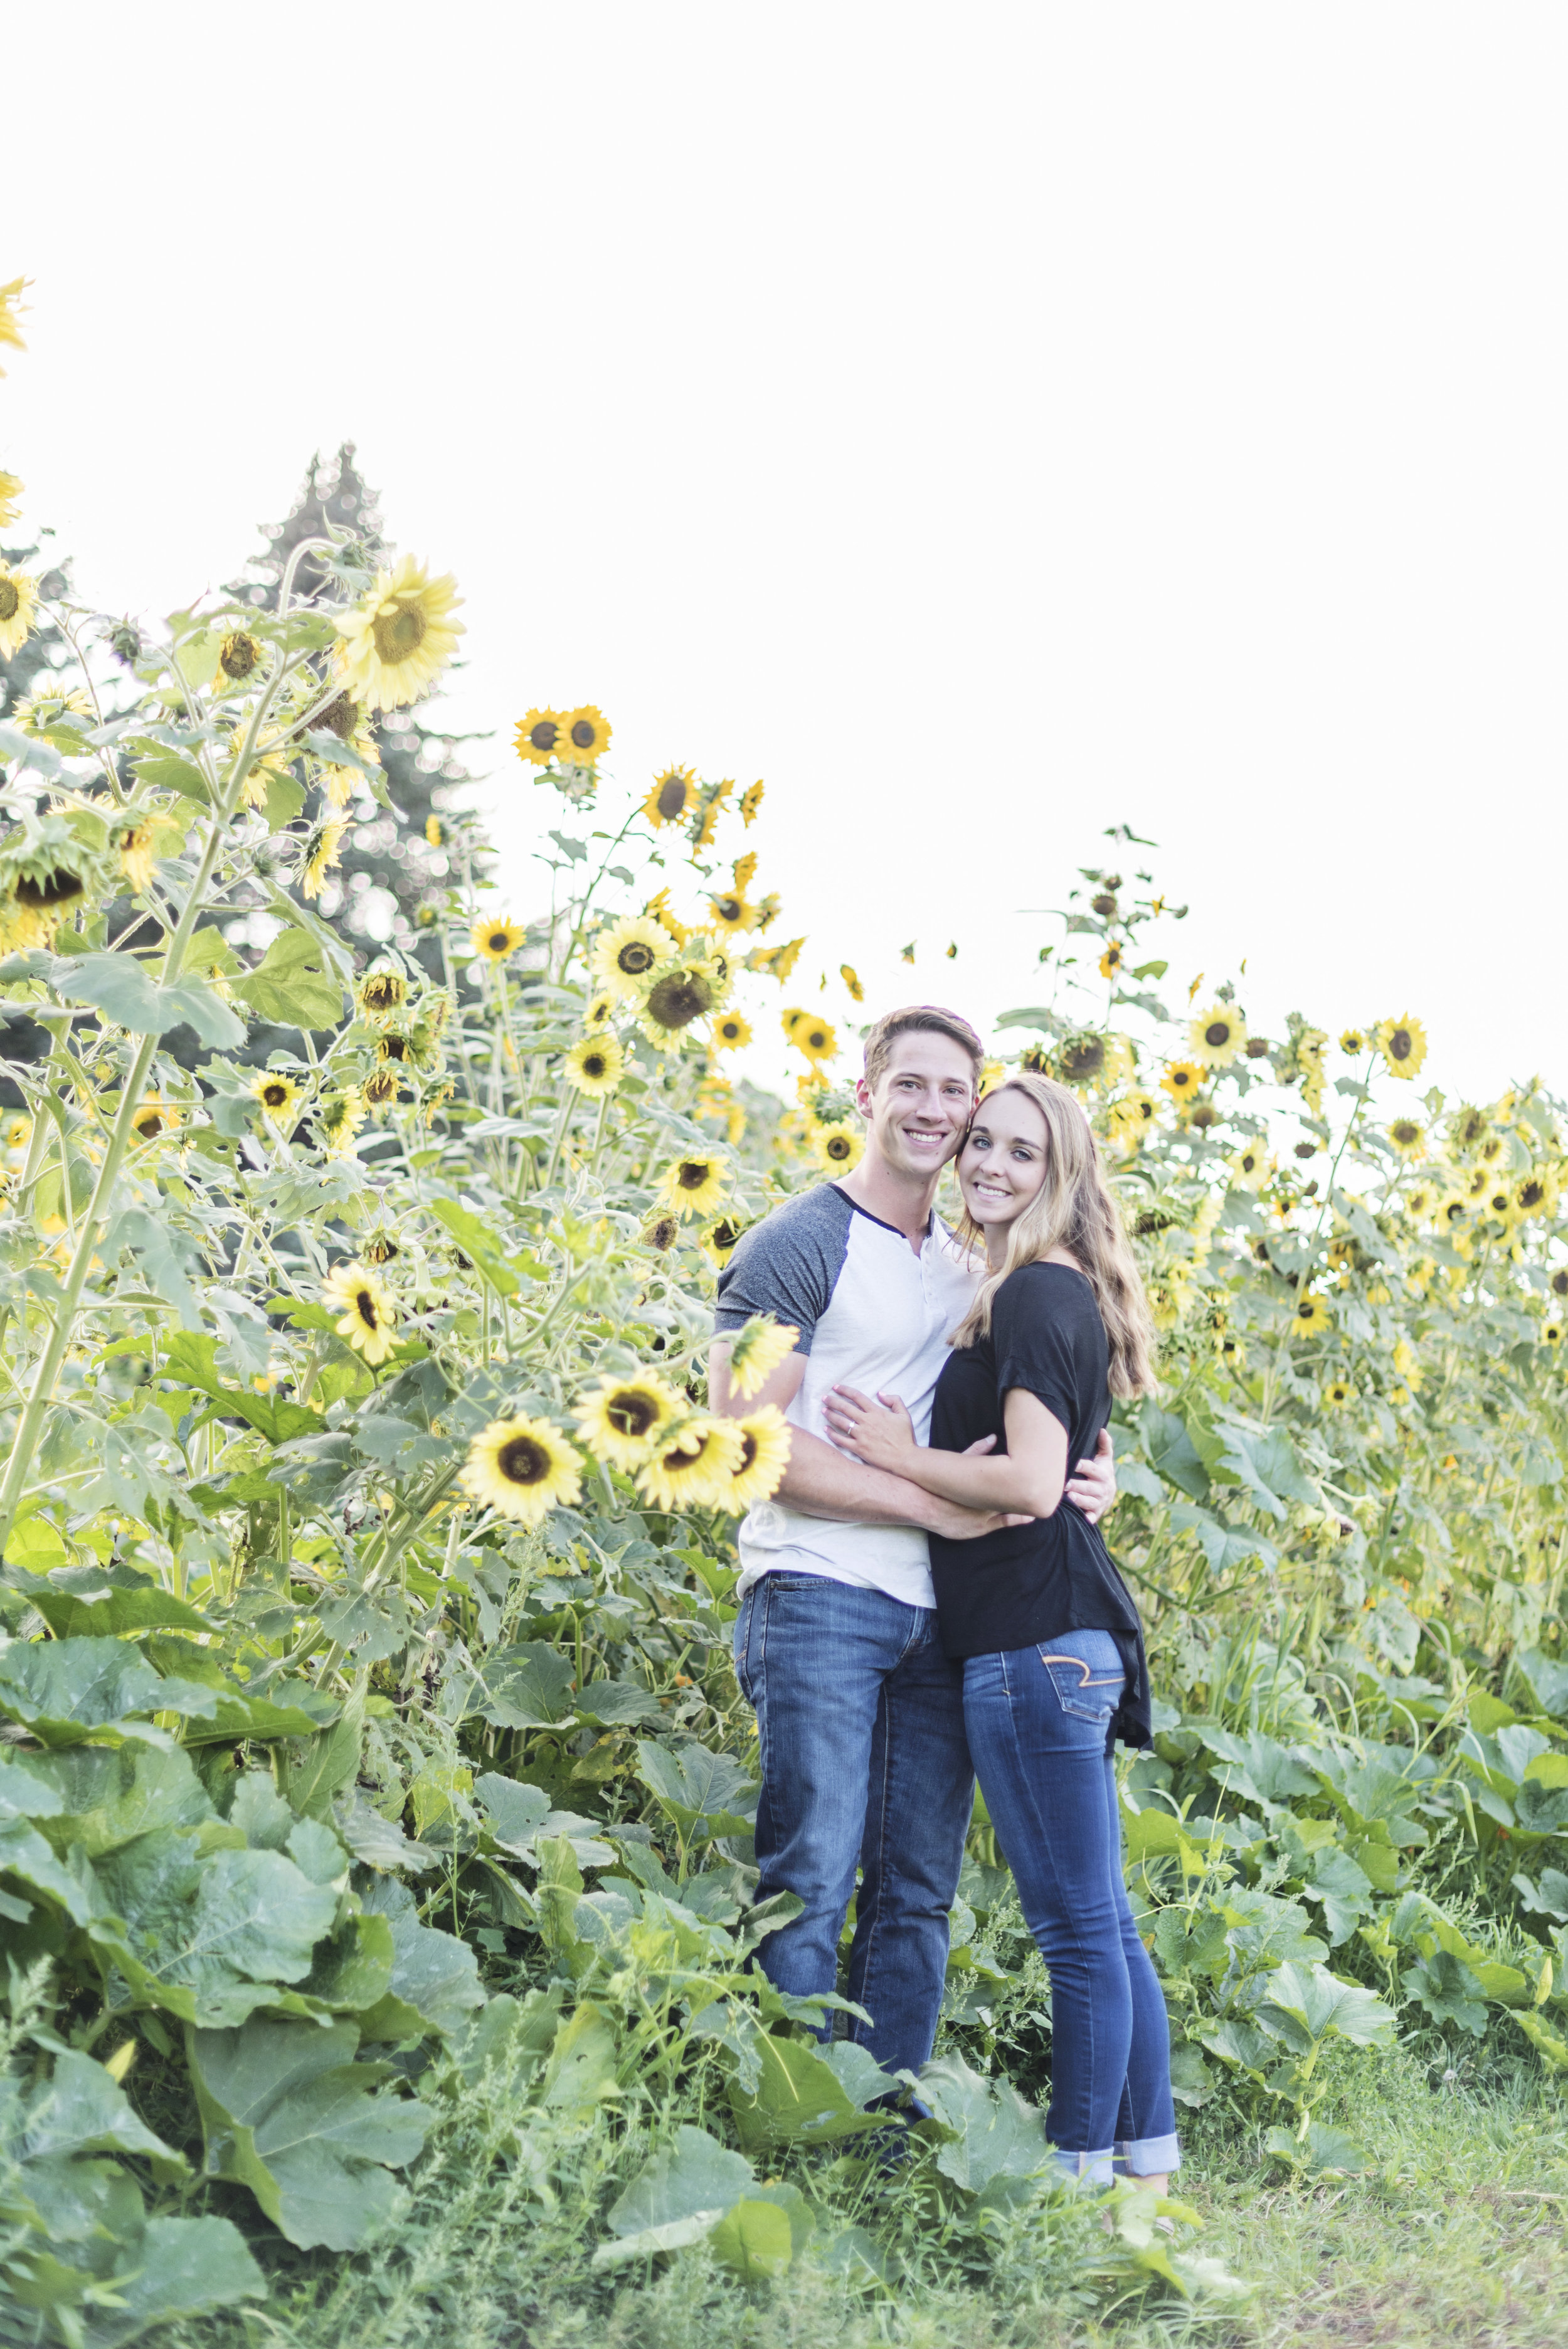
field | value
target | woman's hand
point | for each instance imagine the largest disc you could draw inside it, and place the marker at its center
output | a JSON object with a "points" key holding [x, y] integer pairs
{"points": [[879, 1434]]}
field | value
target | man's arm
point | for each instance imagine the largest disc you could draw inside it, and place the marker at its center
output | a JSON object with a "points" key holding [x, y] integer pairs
{"points": [[822, 1482]]}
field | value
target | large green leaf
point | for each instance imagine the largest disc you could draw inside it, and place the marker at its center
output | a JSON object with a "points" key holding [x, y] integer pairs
{"points": [[96, 1603], [118, 985], [435, 1982], [24, 1855], [799, 2099], [580, 2073], [677, 2199], [295, 984], [477, 1241], [523, 1687], [181, 2268], [64, 1690], [755, 2241], [1172, 1452], [1304, 2005], [617, 1704], [26, 1790], [1256, 1767], [287, 2112], [82, 2109], [191, 1360], [997, 2143], [109, 1796], [203, 1933], [702, 1792]]}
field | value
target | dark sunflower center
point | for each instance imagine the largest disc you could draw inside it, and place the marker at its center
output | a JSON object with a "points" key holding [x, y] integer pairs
{"points": [[364, 1305], [499, 941], [728, 908], [676, 1001], [521, 1461], [1083, 1060], [816, 1040], [239, 656], [150, 1123], [1400, 1044], [56, 888], [275, 1096], [631, 1411], [393, 1048], [1406, 1134], [545, 735], [1531, 1195], [692, 1174], [400, 633], [634, 957], [839, 1146], [672, 796], [340, 716], [725, 1234], [383, 993], [663, 1233], [583, 735], [10, 599], [748, 1452], [1217, 1033], [595, 1065]]}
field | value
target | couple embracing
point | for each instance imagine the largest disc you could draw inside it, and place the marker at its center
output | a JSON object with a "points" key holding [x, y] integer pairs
{"points": [[927, 1598]]}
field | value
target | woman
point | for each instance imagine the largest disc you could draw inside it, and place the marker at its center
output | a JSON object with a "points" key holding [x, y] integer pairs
{"points": [[1053, 1668]]}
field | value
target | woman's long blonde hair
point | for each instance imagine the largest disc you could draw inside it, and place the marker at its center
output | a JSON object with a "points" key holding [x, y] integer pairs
{"points": [[1073, 1209]]}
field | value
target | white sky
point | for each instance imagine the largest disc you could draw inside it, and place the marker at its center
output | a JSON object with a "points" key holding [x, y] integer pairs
{"points": [[986, 425]]}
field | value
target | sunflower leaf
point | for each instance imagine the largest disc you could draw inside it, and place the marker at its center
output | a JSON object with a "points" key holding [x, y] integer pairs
{"points": [[293, 984]]}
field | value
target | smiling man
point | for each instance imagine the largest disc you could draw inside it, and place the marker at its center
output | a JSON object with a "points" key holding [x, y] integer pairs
{"points": [[859, 1711]]}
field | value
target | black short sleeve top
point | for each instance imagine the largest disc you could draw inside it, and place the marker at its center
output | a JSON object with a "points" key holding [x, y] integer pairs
{"points": [[1027, 1584]]}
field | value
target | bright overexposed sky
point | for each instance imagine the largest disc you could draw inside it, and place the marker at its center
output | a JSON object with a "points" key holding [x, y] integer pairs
{"points": [[985, 424]]}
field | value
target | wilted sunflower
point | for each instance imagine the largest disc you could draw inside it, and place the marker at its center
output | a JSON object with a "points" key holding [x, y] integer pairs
{"points": [[522, 1468], [381, 992], [368, 1315], [1403, 1044], [1310, 1316], [1217, 1035], [694, 1185], [622, 1419], [628, 951], [154, 1117], [239, 655], [383, 1086], [136, 842], [678, 993], [399, 637], [777, 962], [694, 1468], [1181, 1079], [379, 1248], [857, 992], [1408, 1136], [1082, 1059], [594, 1064], [539, 736], [276, 1093], [18, 610], [662, 1232], [496, 939], [750, 802], [338, 1119], [673, 797], [731, 913], [1170, 1294], [729, 1032], [817, 1039], [38, 900], [838, 1149], [756, 1350], [587, 733], [1112, 959], [706, 822], [1250, 1166], [1469, 1127], [1338, 1392], [1353, 1041], [321, 851], [764, 1456], [1492, 1149]]}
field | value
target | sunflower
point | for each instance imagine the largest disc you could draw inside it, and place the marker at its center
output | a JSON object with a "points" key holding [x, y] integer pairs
{"points": [[620, 1420], [239, 655], [1403, 1044], [1250, 1167], [1453, 1208], [1475, 1185], [38, 713], [399, 637], [1338, 1393], [522, 1468], [1181, 1079], [1421, 1202], [1353, 1041], [1535, 1194], [756, 1350], [693, 1186], [136, 844], [594, 1064], [720, 1238], [750, 801], [1558, 1284], [1493, 1149], [1408, 1136], [382, 1087], [777, 962], [626, 952], [662, 1232], [10, 499], [677, 994], [380, 1247], [1217, 1035], [731, 913], [587, 735], [1552, 1330], [155, 1116], [18, 1133], [496, 939], [380, 993], [277, 1095], [706, 823], [1499, 1201], [673, 797], [1469, 1127], [764, 1457], [1310, 1316], [816, 1039], [18, 610], [539, 734], [1170, 1294], [694, 1468], [1112, 959], [338, 1119], [10, 310], [729, 1032], [321, 849], [368, 1317], [838, 1148]]}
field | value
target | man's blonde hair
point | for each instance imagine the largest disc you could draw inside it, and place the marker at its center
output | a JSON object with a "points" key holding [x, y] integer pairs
{"points": [[919, 1020]]}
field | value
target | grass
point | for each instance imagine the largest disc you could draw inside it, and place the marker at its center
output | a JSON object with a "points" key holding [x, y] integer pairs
{"points": [[1454, 2240]]}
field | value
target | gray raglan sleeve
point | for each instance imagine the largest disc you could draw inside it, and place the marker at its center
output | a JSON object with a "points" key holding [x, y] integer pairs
{"points": [[788, 1266]]}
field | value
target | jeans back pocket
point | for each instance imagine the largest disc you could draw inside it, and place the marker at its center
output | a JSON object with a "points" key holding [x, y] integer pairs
{"points": [[1087, 1672]]}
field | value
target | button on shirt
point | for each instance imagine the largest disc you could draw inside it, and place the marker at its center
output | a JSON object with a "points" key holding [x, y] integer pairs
{"points": [[871, 1314]]}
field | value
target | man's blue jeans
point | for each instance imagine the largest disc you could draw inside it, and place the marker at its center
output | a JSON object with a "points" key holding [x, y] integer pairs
{"points": [[1038, 1720], [860, 1713]]}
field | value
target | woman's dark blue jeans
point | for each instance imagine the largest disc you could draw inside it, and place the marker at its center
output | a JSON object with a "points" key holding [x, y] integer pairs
{"points": [[1038, 1720]]}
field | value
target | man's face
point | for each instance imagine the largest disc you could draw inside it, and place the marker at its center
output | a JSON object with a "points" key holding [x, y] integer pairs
{"points": [[921, 1103]]}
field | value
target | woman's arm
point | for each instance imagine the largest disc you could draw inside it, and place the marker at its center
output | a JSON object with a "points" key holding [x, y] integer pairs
{"points": [[1028, 1478]]}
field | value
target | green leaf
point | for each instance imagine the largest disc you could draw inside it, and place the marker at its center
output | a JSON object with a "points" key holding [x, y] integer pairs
{"points": [[617, 1704], [165, 1259], [477, 1242], [287, 2112], [580, 2074], [27, 1791], [1172, 1451], [1305, 2005], [696, 2179], [1549, 2044], [998, 2141], [206, 1934], [1448, 1991], [523, 1687], [435, 1977], [166, 771], [1548, 1681], [62, 1690], [118, 985], [183, 2268], [191, 1360], [1323, 2152], [284, 799], [109, 1796], [295, 984], [799, 2099], [96, 1603], [706, 1794], [754, 2241], [81, 2109]]}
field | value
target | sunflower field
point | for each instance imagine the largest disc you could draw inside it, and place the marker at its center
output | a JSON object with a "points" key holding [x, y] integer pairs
{"points": [[375, 1790]]}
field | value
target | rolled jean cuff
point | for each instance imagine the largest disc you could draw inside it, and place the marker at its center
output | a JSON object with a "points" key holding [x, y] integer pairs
{"points": [[1147, 2156], [1085, 2169]]}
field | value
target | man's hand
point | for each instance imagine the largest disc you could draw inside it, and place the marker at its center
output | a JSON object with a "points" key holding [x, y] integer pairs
{"points": [[959, 1524], [1092, 1487]]}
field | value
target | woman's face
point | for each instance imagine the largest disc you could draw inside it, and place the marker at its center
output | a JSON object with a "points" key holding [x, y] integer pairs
{"points": [[1002, 1165]]}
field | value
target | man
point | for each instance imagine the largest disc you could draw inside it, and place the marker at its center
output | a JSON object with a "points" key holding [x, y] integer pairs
{"points": [[859, 1711]]}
